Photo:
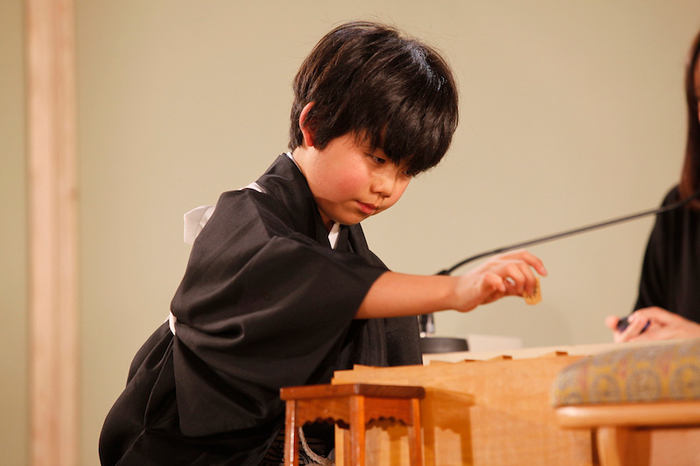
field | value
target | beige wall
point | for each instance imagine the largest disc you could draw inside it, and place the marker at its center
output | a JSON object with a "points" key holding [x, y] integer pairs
{"points": [[571, 113], [13, 230]]}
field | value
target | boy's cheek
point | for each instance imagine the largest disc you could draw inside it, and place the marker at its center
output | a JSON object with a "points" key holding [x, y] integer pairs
{"points": [[348, 187]]}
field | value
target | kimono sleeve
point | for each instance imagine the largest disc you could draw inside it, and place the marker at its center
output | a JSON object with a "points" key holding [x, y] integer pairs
{"points": [[261, 306]]}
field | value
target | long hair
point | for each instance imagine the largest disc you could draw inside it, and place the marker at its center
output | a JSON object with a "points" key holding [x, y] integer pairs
{"points": [[690, 176]]}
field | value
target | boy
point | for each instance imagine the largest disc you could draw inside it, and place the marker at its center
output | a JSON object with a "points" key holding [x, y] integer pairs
{"points": [[281, 288]]}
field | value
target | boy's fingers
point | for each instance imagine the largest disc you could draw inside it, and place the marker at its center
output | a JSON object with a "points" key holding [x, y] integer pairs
{"points": [[524, 278], [493, 288], [532, 282], [515, 276], [536, 263], [532, 261], [494, 282]]}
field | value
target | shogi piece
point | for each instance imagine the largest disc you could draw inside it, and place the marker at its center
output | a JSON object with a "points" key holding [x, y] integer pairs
{"points": [[352, 407], [642, 403]]}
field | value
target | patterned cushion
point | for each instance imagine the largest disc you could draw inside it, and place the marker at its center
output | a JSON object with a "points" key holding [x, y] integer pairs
{"points": [[661, 372]]}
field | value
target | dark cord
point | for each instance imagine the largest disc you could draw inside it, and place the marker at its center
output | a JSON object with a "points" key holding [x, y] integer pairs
{"points": [[564, 234]]}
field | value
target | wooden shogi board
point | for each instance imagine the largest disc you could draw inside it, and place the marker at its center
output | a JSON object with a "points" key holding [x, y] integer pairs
{"points": [[492, 412]]}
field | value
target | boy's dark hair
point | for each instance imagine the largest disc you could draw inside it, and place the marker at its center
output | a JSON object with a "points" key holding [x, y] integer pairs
{"points": [[365, 79]]}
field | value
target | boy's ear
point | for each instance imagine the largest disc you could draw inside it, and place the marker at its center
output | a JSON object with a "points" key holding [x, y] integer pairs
{"points": [[304, 127]]}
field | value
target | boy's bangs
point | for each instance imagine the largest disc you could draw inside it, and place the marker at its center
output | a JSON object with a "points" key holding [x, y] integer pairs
{"points": [[414, 135], [398, 93]]}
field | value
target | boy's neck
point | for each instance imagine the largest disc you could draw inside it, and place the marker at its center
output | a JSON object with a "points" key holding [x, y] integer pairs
{"points": [[300, 156]]}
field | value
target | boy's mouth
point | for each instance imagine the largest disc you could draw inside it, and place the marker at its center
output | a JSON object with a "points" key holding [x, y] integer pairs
{"points": [[368, 209]]}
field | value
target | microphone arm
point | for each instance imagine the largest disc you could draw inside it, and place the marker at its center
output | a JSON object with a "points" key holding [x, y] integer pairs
{"points": [[426, 322], [575, 231]]}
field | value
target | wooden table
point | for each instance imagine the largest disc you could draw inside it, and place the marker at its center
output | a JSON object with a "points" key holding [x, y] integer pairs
{"points": [[494, 410]]}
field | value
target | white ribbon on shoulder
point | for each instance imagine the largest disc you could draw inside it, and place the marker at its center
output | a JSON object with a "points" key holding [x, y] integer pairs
{"points": [[195, 220]]}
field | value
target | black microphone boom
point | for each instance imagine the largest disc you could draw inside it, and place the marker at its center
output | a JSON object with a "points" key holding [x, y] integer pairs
{"points": [[575, 231]]}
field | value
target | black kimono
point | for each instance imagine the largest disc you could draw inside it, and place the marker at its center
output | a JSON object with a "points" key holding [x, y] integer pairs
{"points": [[671, 269], [265, 303]]}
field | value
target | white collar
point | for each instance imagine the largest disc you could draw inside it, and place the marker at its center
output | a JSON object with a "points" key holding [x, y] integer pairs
{"points": [[333, 235]]}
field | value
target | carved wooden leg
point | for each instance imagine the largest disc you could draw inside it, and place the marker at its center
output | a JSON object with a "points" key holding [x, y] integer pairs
{"points": [[347, 448], [291, 452], [415, 440], [357, 430], [612, 443]]}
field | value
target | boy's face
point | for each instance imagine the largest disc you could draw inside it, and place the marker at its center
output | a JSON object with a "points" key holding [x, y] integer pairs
{"points": [[350, 182]]}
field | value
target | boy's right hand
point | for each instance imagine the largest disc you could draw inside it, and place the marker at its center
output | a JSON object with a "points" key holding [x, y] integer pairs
{"points": [[395, 294], [509, 274]]}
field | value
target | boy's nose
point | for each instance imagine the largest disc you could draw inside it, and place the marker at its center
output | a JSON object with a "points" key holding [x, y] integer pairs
{"points": [[384, 184]]}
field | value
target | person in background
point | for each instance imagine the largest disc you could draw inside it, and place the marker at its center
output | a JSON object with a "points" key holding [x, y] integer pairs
{"points": [[668, 305]]}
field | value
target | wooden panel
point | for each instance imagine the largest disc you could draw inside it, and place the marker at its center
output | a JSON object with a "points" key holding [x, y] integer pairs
{"points": [[664, 447], [649, 447], [53, 233], [479, 413]]}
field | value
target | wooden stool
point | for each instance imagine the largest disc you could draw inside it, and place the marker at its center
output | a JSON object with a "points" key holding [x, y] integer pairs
{"points": [[352, 407], [665, 433], [642, 402]]}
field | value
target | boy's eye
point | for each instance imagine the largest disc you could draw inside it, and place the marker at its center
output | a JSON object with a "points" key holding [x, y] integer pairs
{"points": [[378, 160]]}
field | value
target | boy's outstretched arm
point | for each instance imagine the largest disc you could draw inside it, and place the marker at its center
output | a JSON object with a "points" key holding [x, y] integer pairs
{"points": [[396, 294]]}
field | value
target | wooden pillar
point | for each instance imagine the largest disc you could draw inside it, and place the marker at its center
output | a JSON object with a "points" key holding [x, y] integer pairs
{"points": [[53, 198]]}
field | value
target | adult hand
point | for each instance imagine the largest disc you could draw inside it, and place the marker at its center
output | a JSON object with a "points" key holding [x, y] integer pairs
{"points": [[663, 325]]}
